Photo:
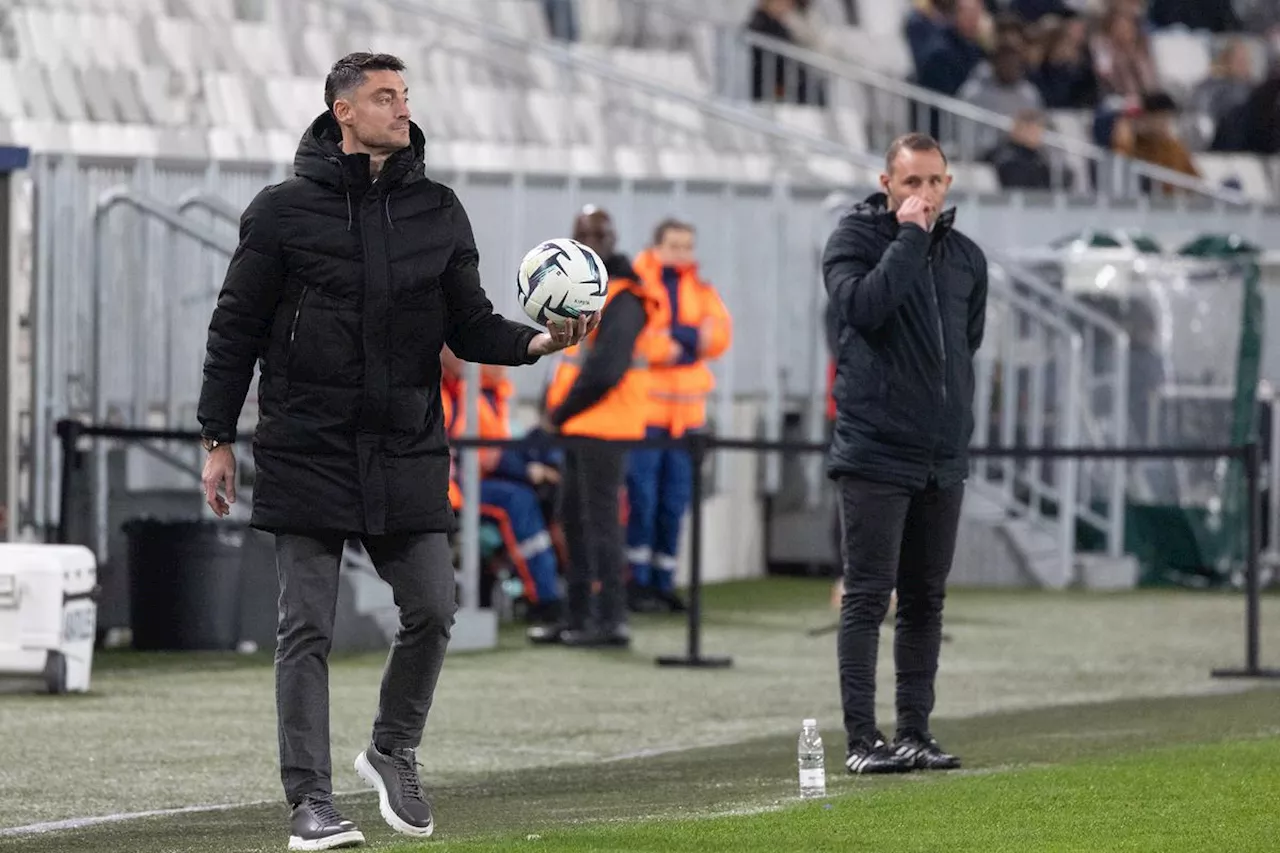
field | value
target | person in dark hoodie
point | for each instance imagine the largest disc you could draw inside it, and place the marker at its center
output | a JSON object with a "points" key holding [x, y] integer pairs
{"points": [[601, 390], [348, 280], [909, 296]]}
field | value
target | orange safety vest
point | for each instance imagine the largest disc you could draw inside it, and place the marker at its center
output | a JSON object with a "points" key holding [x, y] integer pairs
{"points": [[622, 413], [678, 392], [493, 423], [452, 400]]}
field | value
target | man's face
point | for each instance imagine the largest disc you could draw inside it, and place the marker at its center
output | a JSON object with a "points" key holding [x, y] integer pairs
{"points": [[968, 19], [376, 112], [596, 231], [1239, 63], [1028, 133], [676, 248], [1007, 67], [917, 173]]}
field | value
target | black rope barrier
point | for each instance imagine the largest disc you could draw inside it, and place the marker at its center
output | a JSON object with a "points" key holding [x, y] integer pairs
{"points": [[699, 445]]}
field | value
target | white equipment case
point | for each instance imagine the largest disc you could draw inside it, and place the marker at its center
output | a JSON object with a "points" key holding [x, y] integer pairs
{"points": [[48, 615]]}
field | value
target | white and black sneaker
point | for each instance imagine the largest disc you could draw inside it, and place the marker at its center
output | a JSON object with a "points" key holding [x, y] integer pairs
{"points": [[400, 798], [922, 752], [316, 824], [872, 755]]}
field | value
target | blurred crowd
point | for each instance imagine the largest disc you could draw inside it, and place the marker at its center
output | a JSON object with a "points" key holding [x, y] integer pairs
{"points": [[1029, 58]]}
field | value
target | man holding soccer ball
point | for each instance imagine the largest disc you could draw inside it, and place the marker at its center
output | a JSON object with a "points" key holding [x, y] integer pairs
{"points": [[348, 280]]}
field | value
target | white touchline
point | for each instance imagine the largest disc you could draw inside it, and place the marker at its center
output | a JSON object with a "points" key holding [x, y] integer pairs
{"points": [[84, 822]]}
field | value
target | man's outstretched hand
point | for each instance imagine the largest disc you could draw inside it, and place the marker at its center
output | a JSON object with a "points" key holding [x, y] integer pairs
{"points": [[563, 335]]}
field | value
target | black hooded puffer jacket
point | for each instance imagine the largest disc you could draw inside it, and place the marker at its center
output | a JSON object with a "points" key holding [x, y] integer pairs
{"points": [[343, 290], [908, 308]]}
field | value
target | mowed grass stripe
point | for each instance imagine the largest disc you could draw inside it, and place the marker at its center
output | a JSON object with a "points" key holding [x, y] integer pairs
{"points": [[558, 803], [1190, 798]]}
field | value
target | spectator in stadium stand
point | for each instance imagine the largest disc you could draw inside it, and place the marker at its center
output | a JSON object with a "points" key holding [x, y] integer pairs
{"points": [[1002, 87], [1254, 126], [1065, 77], [910, 294], [776, 78], [562, 19], [954, 50], [600, 390], [1259, 16], [348, 279], [1121, 58], [1155, 139], [1227, 87], [660, 481], [1020, 162], [1216, 17], [1033, 10]]}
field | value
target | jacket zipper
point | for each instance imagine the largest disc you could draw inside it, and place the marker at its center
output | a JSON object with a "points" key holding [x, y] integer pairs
{"points": [[942, 337], [293, 331]]}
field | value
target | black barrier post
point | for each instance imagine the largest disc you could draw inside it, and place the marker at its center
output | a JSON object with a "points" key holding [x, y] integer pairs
{"points": [[69, 432], [1252, 581], [697, 445]]}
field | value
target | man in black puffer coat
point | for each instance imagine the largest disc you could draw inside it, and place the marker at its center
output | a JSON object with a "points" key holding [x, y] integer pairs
{"points": [[348, 280], [908, 296]]}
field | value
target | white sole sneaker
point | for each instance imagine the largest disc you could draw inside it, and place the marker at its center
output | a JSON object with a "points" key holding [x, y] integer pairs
{"points": [[354, 838], [369, 775]]}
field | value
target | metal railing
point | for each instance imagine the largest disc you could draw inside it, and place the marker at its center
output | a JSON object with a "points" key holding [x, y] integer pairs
{"points": [[1030, 372], [889, 106], [1104, 396], [155, 211], [570, 61]]}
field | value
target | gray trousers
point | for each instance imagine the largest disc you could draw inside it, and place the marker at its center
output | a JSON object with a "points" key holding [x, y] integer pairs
{"points": [[419, 568]]}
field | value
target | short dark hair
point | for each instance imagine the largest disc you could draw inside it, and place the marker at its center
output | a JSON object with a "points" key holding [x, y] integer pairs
{"points": [[670, 224], [348, 73], [911, 142]]}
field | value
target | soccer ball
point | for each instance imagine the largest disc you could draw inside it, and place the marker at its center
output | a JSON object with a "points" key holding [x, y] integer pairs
{"points": [[560, 280]]}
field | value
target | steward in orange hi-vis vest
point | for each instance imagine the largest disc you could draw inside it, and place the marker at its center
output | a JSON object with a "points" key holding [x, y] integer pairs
{"points": [[660, 481], [601, 390]]}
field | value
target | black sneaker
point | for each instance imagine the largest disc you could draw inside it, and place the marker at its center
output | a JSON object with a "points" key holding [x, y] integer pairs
{"points": [[873, 755], [316, 824], [671, 601], [923, 752], [400, 797], [616, 637]]}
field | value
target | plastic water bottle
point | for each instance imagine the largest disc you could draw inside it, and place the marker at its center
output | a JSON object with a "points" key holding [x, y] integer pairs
{"points": [[813, 773]]}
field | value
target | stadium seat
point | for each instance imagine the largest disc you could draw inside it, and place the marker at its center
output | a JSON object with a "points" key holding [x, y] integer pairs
{"points": [[1182, 58], [1244, 172], [123, 85], [599, 22], [975, 178], [851, 128], [834, 170], [11, 104], [814, 121]]}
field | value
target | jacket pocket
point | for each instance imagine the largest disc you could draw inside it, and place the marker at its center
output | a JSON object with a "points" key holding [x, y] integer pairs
{"points": [[291, 341]]}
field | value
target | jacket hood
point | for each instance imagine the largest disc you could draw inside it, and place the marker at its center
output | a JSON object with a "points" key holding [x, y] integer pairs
{"points": [[875, 211], [320, 157]]}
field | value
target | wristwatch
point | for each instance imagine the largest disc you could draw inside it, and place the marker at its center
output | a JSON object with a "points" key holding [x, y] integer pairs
{"points": [[209, 443]]}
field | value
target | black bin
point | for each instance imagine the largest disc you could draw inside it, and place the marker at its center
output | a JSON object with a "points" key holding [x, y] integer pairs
{"points": [[184, 584]]}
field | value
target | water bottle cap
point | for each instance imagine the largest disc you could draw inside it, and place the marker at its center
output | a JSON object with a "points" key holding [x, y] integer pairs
{"points": [[810, 724]]}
